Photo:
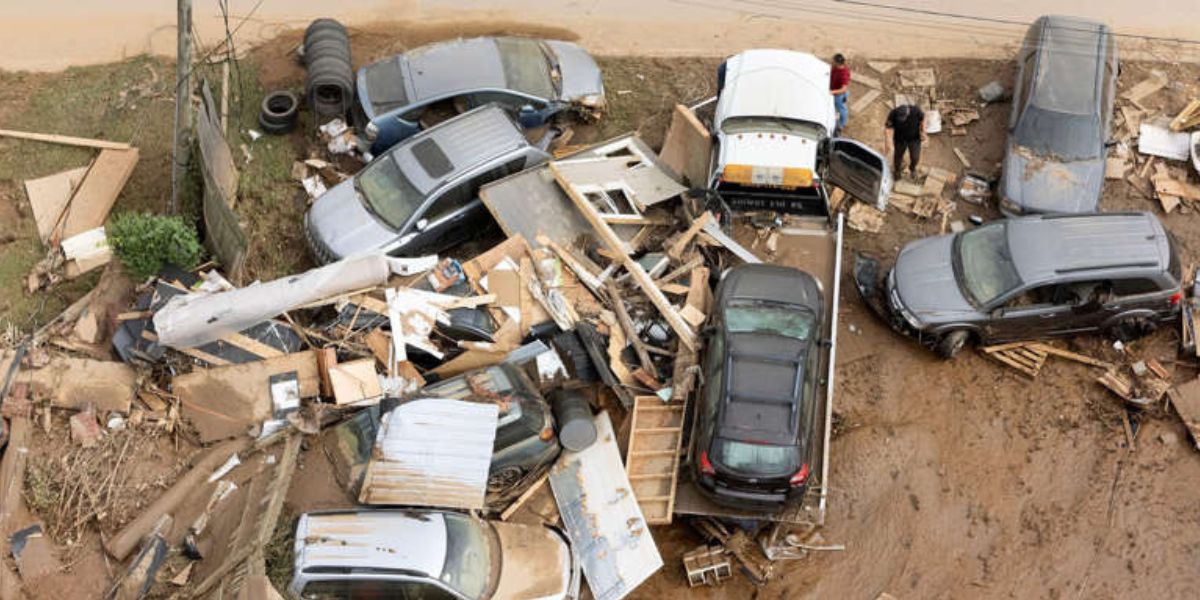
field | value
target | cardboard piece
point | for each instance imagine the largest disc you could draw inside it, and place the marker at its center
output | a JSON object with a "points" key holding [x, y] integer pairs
{"points": [[49, 196], [224, 402], [354, 381]]}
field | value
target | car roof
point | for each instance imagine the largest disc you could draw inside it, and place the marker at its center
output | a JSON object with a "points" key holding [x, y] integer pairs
{"points": [[1071, 54], [411, 541], [465, 141], [763, 388], [777, 83], [1077, 247], [454, 66]]}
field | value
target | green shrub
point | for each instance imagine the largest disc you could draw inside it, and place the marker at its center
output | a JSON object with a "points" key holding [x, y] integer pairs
{"points": [[145, 242]]}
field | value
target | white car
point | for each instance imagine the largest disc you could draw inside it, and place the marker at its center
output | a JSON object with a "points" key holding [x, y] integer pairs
{"points": [[773, 122], [429, 555]]}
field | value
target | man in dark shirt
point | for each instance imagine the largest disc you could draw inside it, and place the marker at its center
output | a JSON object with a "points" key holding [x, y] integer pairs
{"points": [[839, 86], [905, 127]]}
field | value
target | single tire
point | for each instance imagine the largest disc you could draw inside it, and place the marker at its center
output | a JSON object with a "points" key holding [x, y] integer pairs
{"points": [[1131, 328], [279, 112], [952, 343], [504, 478]]}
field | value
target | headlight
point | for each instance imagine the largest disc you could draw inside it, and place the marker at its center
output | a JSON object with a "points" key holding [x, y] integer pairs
{"points": [[897, 305], [592, 101], [371, 131], [1009, 206]]}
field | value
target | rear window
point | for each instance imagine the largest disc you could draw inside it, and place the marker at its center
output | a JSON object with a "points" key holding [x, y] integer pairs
{"points": [[756, 458], [525, 66], [743, 317], [468, 556], [385, 86]]}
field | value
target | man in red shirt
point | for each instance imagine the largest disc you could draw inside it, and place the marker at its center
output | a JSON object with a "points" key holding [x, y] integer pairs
{"points": [[839, 86]]}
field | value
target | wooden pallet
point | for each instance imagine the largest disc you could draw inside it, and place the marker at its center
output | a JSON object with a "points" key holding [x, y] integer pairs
{"points": [[1019, 356], [652, 460]]}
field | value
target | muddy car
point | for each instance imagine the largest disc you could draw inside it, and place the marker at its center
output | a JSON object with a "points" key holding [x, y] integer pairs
{"points": [[429, 554], [756, 419], [421, 196], [1061, 118], [532, 79], [1029, 277], [525, 440]]}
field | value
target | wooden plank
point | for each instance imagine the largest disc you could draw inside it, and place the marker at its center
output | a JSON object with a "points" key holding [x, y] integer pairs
{"points": [[98, 192], [962, 158], [68, 140], [1067, 354], [613, 219], [864, 102], [687, 146], [251, 345], [614, 296], [639, 275], [675, 252], [866, 80]]}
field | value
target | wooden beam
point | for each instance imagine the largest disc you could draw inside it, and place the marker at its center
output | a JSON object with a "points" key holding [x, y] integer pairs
{"points": [[676, 249], [54, 138], [636, 272], [614, 295]]}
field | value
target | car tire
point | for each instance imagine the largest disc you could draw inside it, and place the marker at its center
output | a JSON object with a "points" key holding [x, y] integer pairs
{"points": [[1131, 328], [950, 344], [505, 478], [279, 112]]}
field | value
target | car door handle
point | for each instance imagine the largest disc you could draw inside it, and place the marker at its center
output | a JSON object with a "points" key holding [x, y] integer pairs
{"points": [[1048, 315]]}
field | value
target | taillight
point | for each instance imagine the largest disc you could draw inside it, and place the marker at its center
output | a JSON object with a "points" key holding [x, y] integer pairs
{"points": [[800, 477], [1176, 297], [706, 466]]}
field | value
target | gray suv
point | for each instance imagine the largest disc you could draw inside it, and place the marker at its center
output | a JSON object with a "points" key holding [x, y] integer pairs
{"points": [[422, 195], [1027, 278]]}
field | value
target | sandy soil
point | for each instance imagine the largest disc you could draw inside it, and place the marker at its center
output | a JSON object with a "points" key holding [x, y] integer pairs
{"points": [[55, 34], [950, 479]]}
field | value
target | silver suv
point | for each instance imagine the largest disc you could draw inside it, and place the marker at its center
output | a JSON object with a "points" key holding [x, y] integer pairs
{"points": [[422, 195], [1030, 277]]}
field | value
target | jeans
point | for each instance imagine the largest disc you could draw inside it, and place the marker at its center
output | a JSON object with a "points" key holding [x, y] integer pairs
{"points": [[840, 100], [914, 155]]}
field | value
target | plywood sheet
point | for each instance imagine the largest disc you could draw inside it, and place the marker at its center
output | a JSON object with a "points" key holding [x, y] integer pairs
{"points": [[49, 195], [99, 190]]}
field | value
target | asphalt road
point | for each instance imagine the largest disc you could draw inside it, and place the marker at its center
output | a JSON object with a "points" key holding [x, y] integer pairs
{"points": [[54, 34]]}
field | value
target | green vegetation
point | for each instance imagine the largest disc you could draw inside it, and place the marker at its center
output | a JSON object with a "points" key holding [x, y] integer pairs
{"points": [[145, 242]]}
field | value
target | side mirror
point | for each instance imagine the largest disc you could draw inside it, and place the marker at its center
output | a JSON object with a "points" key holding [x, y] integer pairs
{"points": [[422, 225], [528, 117]]}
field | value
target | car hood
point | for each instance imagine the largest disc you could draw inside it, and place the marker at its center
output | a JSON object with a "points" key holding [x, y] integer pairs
{"points": [[925, 280], [1046, 185], [768, 150], [581, 78], [535, 563], [344, 225]]}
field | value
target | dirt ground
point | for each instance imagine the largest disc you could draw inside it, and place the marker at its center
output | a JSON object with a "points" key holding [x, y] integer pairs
{"points": [[949, 479]]}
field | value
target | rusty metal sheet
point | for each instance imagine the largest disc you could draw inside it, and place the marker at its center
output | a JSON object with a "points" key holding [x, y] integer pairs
{"points": [[432, 452], [602, 516]]}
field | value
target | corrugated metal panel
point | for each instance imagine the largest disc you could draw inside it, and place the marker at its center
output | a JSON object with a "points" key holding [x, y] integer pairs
{"points": [[432, 452], [602, 517]]}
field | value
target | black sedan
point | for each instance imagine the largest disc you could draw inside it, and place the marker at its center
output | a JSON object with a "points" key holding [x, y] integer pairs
{"points": [[756, 417]]}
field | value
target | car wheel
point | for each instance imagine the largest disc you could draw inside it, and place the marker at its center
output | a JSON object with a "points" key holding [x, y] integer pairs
{"points": [[279, 111], [504, 478], [952, 343], [1132, 328]]}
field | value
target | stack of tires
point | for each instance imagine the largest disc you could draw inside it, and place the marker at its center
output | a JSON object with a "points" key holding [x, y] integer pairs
{"points": [[329, 87]]}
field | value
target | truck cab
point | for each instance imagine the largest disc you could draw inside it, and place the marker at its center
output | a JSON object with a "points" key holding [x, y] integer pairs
{"points": [[772, 138]]}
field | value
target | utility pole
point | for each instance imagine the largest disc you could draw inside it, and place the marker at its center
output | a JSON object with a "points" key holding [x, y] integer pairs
{"points": [[183, 100]]}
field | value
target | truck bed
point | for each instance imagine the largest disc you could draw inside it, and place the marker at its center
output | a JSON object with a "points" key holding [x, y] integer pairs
{"points": [[817, 249]]}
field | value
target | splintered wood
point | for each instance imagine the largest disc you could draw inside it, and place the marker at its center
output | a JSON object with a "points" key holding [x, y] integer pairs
{"points": [[1029, 357], [652, 460], [865, 218]]}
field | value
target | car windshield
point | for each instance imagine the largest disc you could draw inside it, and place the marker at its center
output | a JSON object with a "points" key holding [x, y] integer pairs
{"points": [[526, 66], [468, 556], [756, 458], [1059, 135], [760, 317], [385, 86], [736, 125], [388, 192], [985, 263]]}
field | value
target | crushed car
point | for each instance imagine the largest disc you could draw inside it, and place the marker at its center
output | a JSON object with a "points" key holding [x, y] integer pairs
{"points": [[422, 196], [533, 79], [1061, 118], [1027, 278], [429, 554], [757, 415]]}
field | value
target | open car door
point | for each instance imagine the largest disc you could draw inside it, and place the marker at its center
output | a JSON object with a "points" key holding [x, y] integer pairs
{"points": [[860, 171]]}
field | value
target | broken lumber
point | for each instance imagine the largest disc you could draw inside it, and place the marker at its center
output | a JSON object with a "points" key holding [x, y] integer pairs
{"points": [[1187, 118], [92, 201], [73, 383], [226, 401], [614, 296], [639, 275], [54, 138], [128, 538], [675, 252]]}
